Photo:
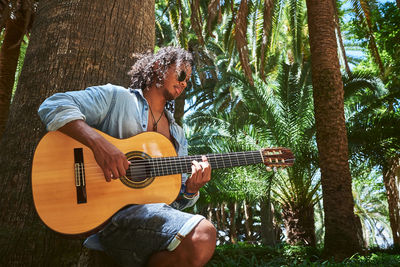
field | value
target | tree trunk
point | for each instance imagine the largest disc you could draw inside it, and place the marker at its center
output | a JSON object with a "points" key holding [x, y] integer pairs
{"points": [[391, 178], [209, 212], [73, 44], [319, 235], [223, 216], [222, 225], [267, 26], [250, 222], [218, 220], [247, 221], [240, 228], [241, 39], [267, 227], [340, 39], [341, 239], [232, 222], [9, 54], [299, 225], [217, 215]]}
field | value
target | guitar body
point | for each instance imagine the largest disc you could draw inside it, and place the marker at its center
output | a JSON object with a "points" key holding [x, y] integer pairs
{"points": [[58, 199]]}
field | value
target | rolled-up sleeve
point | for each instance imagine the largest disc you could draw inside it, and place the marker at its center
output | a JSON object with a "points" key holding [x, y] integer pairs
{"points": [[91, 105]]}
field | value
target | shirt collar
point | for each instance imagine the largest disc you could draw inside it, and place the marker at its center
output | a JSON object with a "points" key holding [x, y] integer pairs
{"points": [[139, 92]]}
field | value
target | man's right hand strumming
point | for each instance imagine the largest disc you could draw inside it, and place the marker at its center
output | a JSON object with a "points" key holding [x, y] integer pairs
{"points": [[110, 159]]}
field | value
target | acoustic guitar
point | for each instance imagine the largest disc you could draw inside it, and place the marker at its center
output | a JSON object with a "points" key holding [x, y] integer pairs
{"points": [[72, 197]]}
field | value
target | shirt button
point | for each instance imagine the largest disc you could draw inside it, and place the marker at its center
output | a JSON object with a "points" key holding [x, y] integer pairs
{"points": [[144, 125], [145, 108]]}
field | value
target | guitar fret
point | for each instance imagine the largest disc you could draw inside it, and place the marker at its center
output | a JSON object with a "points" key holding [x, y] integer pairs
{"points": [[167, 166], [158, 167], [215, 160], [153, 169], [175, 166], [230, 160], [164, 166], [182, 164]]}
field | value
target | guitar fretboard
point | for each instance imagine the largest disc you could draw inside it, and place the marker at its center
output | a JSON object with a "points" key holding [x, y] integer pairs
{"points": [[174, 165]]}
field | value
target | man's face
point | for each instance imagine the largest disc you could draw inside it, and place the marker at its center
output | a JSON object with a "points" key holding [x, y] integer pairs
{"points": [[176, 80]]}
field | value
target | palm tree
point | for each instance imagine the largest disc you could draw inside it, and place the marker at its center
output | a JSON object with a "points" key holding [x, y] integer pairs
{"points": [[341, 238], [371, 207], [374, 137], [214, 131], [288, 116], [228, 27], [363, 10], [232, 87], [64, 53], [380, 146], [276, 117]]}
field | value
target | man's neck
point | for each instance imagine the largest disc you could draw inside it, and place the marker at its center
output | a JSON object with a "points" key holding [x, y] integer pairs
{"points": [[155, 99]]}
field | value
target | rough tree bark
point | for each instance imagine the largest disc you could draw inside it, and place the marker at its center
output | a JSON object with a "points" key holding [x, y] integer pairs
{"points": [[391, 179], [299, 225], [341, 239], [267, 226], [74, 44], [13, 35], [248, 221], [232, 206]]}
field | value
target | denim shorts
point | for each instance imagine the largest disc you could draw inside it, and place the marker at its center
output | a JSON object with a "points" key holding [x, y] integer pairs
{"points": [[138, 231]]}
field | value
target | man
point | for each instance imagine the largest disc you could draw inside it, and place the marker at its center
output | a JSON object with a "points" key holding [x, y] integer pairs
{"points": [[153, 234]]}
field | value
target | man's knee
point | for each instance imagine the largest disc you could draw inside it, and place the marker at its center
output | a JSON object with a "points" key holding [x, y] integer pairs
{"points": [[203, 240], [205, 232]]}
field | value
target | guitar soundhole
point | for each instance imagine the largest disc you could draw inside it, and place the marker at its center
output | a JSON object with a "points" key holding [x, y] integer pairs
{"points": [[139, 173]]}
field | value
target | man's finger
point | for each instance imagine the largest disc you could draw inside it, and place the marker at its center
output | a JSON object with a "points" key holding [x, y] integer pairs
{"points": [[107, 175], [194, 173]]}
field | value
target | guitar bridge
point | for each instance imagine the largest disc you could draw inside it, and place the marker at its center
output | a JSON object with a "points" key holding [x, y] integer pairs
{"points": [[80, 181]]}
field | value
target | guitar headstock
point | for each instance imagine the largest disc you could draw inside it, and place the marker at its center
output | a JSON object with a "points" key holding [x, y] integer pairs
{"points": [[277, 157]]}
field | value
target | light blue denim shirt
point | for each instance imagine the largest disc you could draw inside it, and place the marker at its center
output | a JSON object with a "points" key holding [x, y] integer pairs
{"points": [[114, 110]]}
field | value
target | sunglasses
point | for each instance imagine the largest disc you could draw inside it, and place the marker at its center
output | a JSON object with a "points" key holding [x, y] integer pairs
{"points": [[182, 76]]}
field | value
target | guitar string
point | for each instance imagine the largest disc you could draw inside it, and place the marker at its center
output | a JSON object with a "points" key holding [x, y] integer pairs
{"points": [[174, 168], [177, 161], [141, 173], [171, 164], [214, 158]]}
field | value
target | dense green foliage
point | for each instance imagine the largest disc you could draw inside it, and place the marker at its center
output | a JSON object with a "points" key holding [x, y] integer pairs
{"points": [[234, 105], [284, 255]]}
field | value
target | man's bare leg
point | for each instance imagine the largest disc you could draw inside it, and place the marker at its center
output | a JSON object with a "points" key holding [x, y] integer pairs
{"points": [[196, 249]]}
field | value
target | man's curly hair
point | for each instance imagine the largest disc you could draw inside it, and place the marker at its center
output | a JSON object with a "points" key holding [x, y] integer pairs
{"points": [[143, 72]]}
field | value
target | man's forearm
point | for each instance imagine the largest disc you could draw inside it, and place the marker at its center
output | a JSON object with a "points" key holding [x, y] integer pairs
{"points": [[80, 131]]}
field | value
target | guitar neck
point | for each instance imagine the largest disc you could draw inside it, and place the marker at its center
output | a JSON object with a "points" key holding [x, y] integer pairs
{"points": [[175, 165]]}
